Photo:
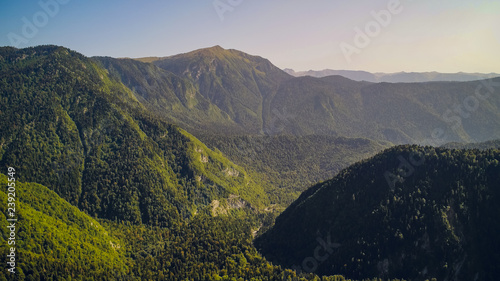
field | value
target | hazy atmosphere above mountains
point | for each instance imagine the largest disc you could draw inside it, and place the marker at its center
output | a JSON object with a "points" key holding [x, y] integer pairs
{"points": [[376, 36]]}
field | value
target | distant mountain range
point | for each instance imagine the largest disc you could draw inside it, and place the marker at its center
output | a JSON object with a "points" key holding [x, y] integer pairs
{"points": [[92, 102], [231, 92], [399, 77], [172, 165]]}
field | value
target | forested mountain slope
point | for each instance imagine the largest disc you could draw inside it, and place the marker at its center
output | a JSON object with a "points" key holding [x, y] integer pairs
{"points": [[67, 125], [53, 238], [292, 163], [411, 212], [56, 241], [399, 113]]}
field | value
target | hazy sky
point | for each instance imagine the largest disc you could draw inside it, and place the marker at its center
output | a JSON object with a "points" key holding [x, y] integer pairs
{"points": [[418, 35]]}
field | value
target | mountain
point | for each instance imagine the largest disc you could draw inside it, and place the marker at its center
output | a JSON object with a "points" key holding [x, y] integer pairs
{"points": [[52, 234], [399, 77], [412, 212], [228, 92], [314, 112], [355, 75], [78, 118], [237, 83], [110, 137], [174, 98], [55, 240], [292, 163], [178, 100], [275, 103], [71, 127], [399, 113]]}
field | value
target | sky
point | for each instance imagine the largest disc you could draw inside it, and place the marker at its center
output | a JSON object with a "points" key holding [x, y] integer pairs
{"points": [[372, 35]]}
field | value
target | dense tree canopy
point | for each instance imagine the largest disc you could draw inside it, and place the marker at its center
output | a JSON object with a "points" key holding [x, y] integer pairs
{"points": [[412, 212]]}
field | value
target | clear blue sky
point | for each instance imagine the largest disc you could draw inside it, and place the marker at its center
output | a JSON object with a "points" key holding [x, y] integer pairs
{"points": [[424, 35]]}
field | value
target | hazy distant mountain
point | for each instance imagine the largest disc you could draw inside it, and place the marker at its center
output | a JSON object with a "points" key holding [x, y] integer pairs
{"points": [[400, 77], [237, 93], [351, 74], [434, 76], [399, 112]]}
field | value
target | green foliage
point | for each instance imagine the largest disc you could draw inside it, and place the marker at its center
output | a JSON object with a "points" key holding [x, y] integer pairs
{"points": [[206, 248], [441, 218], [291, 163], [55, 239], [66, 124]]}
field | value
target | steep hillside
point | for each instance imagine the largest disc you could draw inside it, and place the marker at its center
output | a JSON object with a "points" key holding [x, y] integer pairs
{"points": [[292, 163], [237, 83], [56, 241], [53, 238], [410, 212], [67, 125], [399, 113], [174, 98], [235, 93]]}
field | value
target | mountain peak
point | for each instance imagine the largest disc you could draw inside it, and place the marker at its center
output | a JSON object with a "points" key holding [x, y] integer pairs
{"points": [[216, 48], [214, 51]]}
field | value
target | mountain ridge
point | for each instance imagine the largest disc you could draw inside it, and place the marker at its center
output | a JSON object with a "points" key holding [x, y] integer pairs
{"points": [[396, 77], [429, 218], [118, 139], [255, 97], [70, 126]]}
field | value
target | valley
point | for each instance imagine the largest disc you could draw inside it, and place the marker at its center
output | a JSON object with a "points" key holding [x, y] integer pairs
{"points": [[218, 165]]}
